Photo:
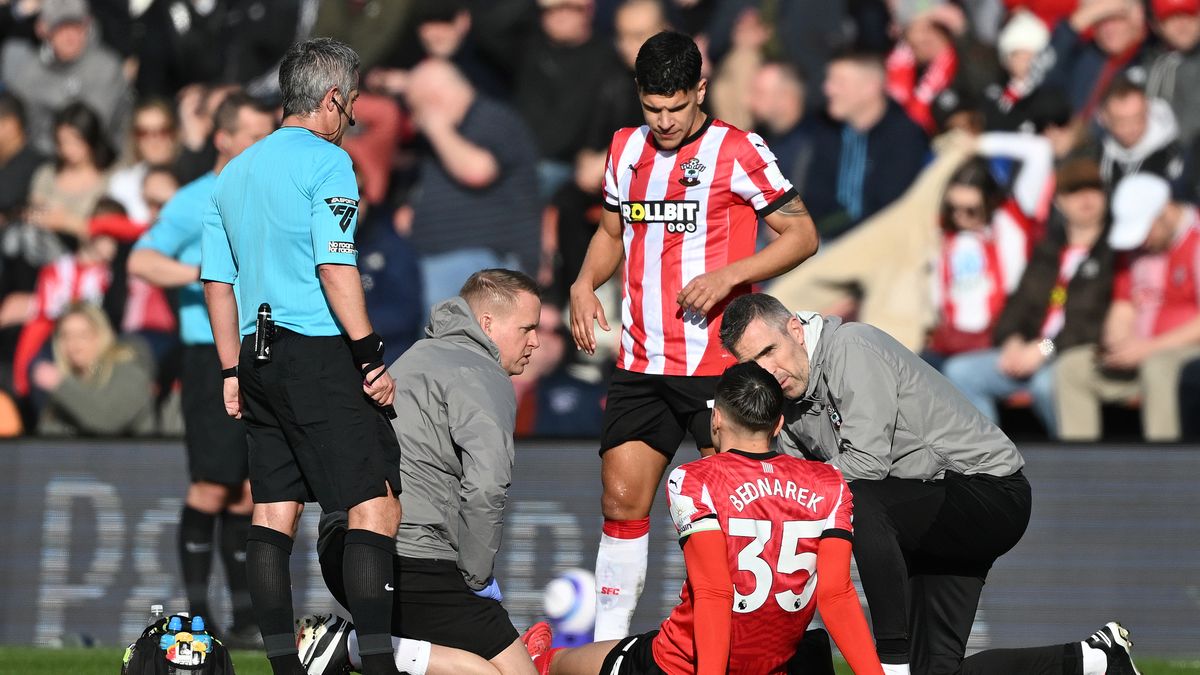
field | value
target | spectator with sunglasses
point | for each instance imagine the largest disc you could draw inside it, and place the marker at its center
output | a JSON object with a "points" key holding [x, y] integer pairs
{"points": [[987, 235], [1059, 304], [154, 142]]}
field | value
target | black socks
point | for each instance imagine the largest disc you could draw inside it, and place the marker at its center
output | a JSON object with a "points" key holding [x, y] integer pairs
{"points": [[368, 577]]}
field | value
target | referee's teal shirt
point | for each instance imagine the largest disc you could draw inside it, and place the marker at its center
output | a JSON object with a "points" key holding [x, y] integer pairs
{"points": [[282, 207]]}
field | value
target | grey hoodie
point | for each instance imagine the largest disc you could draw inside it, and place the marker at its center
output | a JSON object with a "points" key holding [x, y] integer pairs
{"points": [[1158, 150], [874, 409], [455, 414], [1173, 76]]}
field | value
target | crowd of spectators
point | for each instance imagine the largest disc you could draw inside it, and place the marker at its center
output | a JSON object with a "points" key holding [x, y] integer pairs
{"points": [[1007, 186]]}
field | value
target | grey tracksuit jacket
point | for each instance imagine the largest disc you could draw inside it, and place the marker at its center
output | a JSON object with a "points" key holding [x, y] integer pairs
{"points": [[455, 413], [874, 409]]}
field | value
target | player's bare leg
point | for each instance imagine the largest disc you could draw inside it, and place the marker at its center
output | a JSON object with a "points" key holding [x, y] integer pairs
{"points": [[514, 660], [585, 660], [631, 474], [423, 658], [450, 661]]}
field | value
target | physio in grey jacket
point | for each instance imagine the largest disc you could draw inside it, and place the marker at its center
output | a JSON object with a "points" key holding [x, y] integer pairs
{"points": [[938, 489], [455, 419], [456, 411]]}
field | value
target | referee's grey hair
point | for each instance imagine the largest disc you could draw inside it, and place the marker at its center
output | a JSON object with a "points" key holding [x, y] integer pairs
{"points": [[747, 308], [497, 286], [311, 68]]}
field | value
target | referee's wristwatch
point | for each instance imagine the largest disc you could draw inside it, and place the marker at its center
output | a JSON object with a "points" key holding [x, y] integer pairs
{"points": [[227, 373]]}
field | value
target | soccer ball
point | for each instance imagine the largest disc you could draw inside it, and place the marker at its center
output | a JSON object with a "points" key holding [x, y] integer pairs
{"points": [[570, 604]]}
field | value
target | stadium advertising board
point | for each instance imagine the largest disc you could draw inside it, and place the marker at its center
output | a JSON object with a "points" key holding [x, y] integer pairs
{"points": [[87, 543]]}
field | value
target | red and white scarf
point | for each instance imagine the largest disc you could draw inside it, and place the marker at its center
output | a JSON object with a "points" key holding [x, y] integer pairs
{"points": [[916, 97]]}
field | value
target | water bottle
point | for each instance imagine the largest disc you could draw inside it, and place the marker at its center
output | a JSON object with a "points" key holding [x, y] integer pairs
{"points": [[199, 634], [156, 614]]}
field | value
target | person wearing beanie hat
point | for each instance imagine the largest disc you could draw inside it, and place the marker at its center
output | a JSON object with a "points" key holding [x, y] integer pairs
{"points": [[1153, 326], [1025, 33], [1175, 63]]}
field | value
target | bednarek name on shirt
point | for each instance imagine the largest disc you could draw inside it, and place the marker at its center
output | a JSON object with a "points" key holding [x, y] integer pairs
{"points": [[773, 487]]}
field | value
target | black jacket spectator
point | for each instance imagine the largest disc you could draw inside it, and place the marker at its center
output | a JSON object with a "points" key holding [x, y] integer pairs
{"points": [[18, 159], [1089, 294], [556, 93], [239, 41], [895, 151]]}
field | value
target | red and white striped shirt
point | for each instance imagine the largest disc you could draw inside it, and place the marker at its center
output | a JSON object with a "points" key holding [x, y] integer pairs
{"points": [[685, 212]]}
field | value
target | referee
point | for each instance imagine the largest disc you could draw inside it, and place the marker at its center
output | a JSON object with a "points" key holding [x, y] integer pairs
{"points": [[168, 256], [282, 227]]}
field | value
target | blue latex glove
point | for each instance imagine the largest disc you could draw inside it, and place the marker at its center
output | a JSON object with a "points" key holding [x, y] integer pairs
{"points": [[491, 591]]}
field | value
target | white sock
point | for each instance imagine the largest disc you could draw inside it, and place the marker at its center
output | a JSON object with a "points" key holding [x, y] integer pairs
{"points": [[412, 656], [1095, 661], [895, 669], [620, 576], [352, 647]]}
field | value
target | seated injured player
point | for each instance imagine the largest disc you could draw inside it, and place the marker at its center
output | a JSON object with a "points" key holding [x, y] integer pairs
{"points": [[766, 539]]}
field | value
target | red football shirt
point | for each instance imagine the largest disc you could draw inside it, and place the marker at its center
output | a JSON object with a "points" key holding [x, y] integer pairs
{"points": [[1164, 288], [774, 510], [684, 212]]}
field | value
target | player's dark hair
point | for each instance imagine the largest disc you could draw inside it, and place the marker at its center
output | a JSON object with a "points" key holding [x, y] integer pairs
{"points": [[497, 286], [750, 397], [226, 116], [667, 63], [744, 309], [86, 122], [11, 106]]}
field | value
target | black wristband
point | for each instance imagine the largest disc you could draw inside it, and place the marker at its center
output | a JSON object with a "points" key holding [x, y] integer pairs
{"points": [[227, 373], [367, 350]]}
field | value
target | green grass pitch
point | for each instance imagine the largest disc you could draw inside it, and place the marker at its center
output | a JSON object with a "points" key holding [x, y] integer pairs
{"points": [[106, 661]]}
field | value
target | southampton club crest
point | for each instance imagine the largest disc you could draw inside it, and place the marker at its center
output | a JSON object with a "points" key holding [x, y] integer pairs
{"points": [[691, 172]]}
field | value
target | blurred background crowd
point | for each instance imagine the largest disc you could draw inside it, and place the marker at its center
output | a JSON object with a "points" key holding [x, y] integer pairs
{"points": [[1006, 186]]}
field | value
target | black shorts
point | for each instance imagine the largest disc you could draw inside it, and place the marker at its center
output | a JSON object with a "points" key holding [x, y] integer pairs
{"points": [[431, 601], [658, 410], [313, 434], [633, 656], [215, 442]]}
